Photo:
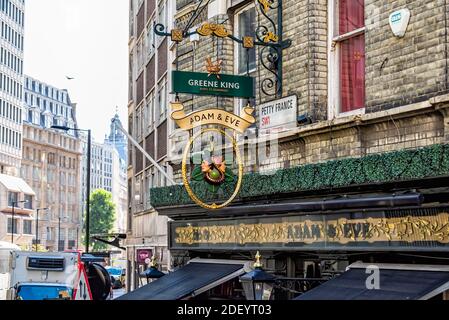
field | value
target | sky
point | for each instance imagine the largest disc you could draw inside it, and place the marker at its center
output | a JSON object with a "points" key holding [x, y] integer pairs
{"points": [[86, 40]]}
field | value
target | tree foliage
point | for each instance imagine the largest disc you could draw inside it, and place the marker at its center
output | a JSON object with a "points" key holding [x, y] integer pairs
{"points": [[102, 216]]}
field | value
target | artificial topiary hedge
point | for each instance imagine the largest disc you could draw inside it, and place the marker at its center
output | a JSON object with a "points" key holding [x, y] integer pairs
{"points": [[432, 161]]}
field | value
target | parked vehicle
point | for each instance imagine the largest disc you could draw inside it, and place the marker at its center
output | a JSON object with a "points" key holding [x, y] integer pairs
{"points": [[117, 277], [51, 276]]}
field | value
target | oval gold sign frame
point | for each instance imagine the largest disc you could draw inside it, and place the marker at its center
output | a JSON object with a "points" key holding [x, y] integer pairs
{"points": [[185, 179]]}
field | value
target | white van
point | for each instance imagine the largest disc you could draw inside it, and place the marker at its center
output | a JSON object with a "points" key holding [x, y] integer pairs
{"points": [[6, 250]]}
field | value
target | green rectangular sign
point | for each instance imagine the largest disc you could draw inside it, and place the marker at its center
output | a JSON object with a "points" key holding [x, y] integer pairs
{"points": [[212, 85]]}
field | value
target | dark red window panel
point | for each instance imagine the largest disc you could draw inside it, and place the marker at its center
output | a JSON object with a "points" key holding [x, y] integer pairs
{"points": [[351, 15], [352, 73], [162, 140]]}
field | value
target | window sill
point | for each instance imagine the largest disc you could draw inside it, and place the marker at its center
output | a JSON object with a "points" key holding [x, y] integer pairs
{"points": [[348, 35], [350, 113]]}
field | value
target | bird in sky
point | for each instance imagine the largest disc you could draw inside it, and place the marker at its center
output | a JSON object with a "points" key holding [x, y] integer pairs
{"points": [[69, 78]]}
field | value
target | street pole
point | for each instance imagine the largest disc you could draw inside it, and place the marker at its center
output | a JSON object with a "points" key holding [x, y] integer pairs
{"points": [[37, 228], [12, 220], [59, 232], [89, 142], [12, 223]]}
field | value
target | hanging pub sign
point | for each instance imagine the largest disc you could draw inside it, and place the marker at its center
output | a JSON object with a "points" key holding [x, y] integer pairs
{"points": [[212, 116], [215, 181], [213, 84], [213, 176]]}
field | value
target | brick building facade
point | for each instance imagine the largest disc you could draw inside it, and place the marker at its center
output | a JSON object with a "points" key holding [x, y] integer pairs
{"points": [[147, 122], [377, 107]]}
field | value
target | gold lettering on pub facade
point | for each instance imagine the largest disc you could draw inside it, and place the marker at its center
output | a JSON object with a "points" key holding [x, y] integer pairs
{"points": [[211, 116], [343, 231]]}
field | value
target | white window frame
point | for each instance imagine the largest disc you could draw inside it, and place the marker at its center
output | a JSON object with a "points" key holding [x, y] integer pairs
{"points": [[237, 45], [162, 86], [334, 40], [140, 54], [138, 121], [150, 40], [149, 106]]}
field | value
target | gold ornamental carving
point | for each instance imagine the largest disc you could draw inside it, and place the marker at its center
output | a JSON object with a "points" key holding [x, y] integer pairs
{"points": [[208, 29], [248, 42], [213, 68], [270, 37], [266, 5], [176, 35]]}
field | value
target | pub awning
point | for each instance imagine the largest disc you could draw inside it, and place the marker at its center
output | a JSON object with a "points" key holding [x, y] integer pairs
{"points": [[396, 282], [198, 276]]}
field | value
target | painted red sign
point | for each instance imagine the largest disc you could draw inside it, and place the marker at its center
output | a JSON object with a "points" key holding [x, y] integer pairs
{"points": [[143, 254]]}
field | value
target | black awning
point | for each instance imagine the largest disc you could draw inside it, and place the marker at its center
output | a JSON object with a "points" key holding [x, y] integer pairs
{"points": [[188, 280], [397, 282]]}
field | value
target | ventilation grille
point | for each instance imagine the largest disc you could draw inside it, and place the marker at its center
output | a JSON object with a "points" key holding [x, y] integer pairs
{"points": [[46, 263]]}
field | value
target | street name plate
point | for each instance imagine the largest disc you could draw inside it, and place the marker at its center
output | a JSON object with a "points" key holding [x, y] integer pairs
{"points": [[278, 115], [209, 84]]}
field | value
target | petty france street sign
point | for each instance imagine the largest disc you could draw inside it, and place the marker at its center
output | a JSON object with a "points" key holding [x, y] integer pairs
{"points": [[210, 84], [278, 115]]}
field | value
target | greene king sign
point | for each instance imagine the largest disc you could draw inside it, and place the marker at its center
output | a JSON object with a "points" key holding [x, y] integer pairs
{"points": [[209, 84]]}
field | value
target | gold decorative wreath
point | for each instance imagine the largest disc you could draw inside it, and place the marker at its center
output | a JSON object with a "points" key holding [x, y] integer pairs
{"points": [[185, 178]]}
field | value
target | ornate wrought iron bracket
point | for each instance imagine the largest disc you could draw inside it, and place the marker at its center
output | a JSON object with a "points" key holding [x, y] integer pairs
{"points": [[270, 38], [115, 242]]}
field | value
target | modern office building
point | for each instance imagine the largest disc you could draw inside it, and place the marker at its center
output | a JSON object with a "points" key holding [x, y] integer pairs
{"points": [[14, 189], [108, 172], [51, 164], [149, 87], [11, 85]]}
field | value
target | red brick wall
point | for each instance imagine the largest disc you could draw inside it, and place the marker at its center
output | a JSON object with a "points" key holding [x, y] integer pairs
{"points": [[149, 80], [140, 20], [149, 147], [162, 65], [162, 140], [151, 4], [139, 89]]}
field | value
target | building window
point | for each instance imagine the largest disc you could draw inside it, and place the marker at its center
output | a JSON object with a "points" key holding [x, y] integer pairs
{"points": [[246, 26], [149, 109], [29, 202], [27, 227], [9, 226], [162, 19], [50, 234], [162, 102], [348, 57], [13, 197], [150, 39], [138, 123]]}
